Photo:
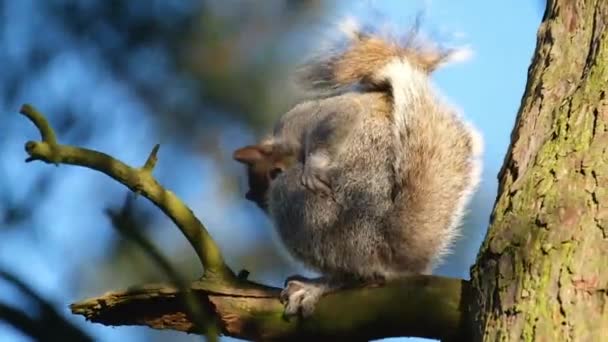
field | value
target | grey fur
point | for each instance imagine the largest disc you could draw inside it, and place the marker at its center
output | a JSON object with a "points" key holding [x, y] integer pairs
{"points": [[339, 235], [380, 185]]}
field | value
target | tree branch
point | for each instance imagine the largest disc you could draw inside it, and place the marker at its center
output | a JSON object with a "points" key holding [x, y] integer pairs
{"points": [[422, 306], [139, 180]]}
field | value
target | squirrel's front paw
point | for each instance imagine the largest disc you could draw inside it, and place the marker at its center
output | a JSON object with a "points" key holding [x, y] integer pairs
{"points": [[300, 297], [315, 178]]}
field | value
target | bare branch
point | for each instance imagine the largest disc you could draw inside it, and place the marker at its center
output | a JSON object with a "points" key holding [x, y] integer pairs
{"points": [[422, 306], [138, 180]]}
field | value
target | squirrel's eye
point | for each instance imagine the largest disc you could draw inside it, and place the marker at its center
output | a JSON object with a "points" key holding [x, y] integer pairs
{"points": [[274, 173]]}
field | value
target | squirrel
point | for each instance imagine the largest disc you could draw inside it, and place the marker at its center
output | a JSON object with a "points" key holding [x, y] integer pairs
{"points": [[368, 180]]}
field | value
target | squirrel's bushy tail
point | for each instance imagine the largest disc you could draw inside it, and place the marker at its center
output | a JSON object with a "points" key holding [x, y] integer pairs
{"points": [[373, 60], [359, 58]]}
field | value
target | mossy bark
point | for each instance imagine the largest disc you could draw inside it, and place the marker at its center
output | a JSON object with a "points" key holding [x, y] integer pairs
{"points": [[542, 272]]}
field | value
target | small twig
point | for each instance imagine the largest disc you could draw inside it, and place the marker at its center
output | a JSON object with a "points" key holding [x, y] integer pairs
{"points": [[46, 131], [152, 158]]}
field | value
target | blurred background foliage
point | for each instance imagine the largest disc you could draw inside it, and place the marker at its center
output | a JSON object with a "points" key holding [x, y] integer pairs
{"points": [[201, 78]]}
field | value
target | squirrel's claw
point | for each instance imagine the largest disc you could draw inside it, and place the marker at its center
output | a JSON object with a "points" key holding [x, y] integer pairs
{"points": [[316, 180], [300, 297]]}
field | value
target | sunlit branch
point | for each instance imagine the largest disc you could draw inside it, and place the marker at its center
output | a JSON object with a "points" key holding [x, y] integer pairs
{"points": [[421, 306], [139, 180]]}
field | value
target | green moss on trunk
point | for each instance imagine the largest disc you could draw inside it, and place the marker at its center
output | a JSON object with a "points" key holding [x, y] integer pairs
{"points": [[541, 272]]}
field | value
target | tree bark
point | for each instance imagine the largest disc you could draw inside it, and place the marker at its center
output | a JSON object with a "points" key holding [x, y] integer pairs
{"points": [[541, 272], [423, 306]]}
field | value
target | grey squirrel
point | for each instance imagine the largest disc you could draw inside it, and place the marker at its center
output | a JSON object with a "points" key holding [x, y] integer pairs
{"points": [[368, 180]]}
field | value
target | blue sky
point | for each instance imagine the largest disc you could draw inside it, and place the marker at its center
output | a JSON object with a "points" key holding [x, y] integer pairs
{"points": [[488, 89]]}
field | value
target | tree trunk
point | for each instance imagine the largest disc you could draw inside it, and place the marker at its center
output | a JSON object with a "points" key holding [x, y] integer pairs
{"points": [[542, 272]]}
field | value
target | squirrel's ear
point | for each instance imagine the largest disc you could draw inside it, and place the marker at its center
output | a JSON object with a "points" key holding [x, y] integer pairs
{"points": [[248, 154]]}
